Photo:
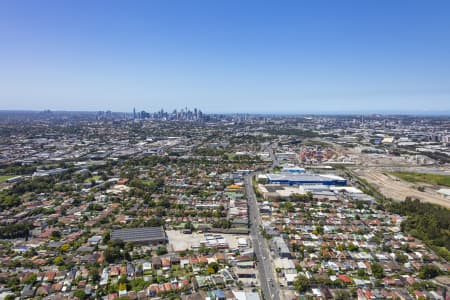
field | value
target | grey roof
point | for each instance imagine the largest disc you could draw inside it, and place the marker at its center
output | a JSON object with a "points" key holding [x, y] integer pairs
{"points": [[143, 234], [273, 188], [281, 245]]}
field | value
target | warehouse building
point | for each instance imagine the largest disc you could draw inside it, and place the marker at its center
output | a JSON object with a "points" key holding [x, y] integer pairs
{"points": [[143, 235], [290, 168], [280, 246], [304, 179]]}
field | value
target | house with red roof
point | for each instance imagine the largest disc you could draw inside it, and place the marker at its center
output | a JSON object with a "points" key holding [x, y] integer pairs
{"points": [[346, 279]]}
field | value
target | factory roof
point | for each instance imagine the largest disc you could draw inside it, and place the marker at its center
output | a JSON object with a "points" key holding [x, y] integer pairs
{"points": [[302, 177], [143, 234]]}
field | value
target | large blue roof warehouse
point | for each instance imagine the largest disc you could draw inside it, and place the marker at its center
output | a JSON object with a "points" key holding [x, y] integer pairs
{"points": [[305, 179]]}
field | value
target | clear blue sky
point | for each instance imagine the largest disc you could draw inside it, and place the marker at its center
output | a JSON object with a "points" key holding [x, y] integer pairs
{"points": [[225, 56]]}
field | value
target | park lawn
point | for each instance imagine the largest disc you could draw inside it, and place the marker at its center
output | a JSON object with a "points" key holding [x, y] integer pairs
{"points": [[95, 178], [413, 177], [230, 156], [3, 178], [147, 182]]}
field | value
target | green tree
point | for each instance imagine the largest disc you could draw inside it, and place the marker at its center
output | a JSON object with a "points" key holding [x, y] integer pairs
{"points": [[12, 231], [30, 279], [342, 295], [429, 271], [56, 235], [161, 250], [214, 267], [352, 247], [13, 282], [301, 284], [189, 225], [123, 279], [112, 254], [138, 284], [401, 258], [377, 270], [94, 275], [80, 294], [362, 273]]}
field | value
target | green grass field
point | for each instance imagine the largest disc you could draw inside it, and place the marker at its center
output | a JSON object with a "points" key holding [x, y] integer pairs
{"points": [[3, 178], [424, 178], [92, 178]]}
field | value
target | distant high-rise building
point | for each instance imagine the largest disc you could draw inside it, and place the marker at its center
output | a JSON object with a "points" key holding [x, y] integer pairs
{"points": [[184, 114]]}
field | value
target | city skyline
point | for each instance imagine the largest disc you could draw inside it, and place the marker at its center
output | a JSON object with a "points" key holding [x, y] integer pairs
{"points": [[387, 113], [226, 57]]}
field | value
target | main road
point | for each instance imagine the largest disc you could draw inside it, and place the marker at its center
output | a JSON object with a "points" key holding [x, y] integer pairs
{"points": [[273, 157], [269, 284]]}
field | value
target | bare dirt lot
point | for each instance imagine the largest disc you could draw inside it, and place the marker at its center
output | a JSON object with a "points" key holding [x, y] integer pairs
{"points": [[397, 189]]}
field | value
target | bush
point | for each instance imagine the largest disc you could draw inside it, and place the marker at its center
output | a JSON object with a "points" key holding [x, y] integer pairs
{"points": [[429, 271], [80, 294], [161, 250], [377, 270], [13, 231]]}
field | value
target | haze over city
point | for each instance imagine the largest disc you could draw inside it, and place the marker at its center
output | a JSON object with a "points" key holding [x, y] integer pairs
{"points": [[226, 56]]}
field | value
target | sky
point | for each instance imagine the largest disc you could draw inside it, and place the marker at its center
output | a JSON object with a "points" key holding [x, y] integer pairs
{"points": [[225, 56]]}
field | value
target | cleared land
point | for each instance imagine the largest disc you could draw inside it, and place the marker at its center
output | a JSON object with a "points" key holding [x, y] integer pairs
{"points": [[180, 241], [392, 187], [433, 179]]}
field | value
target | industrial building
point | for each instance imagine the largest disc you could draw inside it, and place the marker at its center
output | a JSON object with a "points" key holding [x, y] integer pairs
{"points": [[292, 169], [304, 179], [143, 235], [279, 245]]}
